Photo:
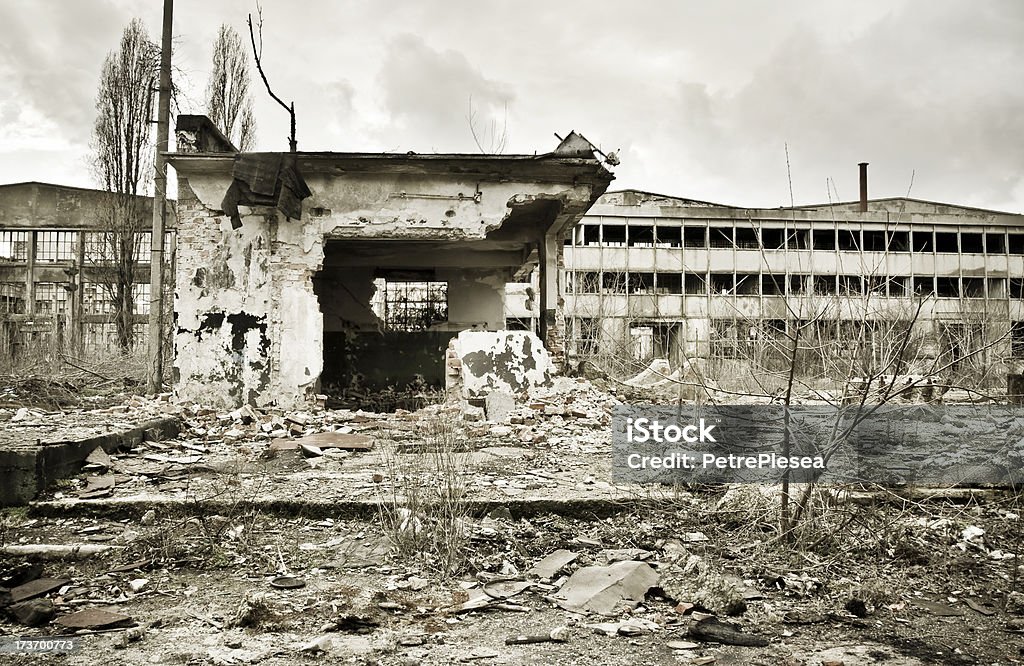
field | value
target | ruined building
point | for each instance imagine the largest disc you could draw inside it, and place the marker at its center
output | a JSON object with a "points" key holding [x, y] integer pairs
{"points": [[660, 276], [57, 264], [297, 270]]}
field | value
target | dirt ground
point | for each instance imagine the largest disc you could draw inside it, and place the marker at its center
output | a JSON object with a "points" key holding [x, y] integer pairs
{"points": [[928, 596], [437, 570]]}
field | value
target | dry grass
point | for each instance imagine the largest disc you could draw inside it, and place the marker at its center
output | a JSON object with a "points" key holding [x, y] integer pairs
{"points": [[424, 511]]}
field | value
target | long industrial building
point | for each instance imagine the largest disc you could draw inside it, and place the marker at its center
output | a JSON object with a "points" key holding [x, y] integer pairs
{"points": [[655, 276]]}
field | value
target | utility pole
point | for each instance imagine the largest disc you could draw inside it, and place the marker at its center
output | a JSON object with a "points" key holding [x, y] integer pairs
{"points": [[156, 260]]}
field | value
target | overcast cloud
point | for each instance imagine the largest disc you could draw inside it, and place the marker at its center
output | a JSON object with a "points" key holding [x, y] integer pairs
{"points": [[701, 98]]}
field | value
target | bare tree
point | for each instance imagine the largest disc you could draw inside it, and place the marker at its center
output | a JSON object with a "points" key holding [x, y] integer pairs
{"points": [[257, 52], [228, 98], [123, 161]]}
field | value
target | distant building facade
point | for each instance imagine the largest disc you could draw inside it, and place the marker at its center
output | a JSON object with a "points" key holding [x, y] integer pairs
{"points": [[654, 276], [55, 267]]}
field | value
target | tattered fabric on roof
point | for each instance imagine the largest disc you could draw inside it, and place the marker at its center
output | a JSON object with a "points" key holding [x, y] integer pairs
{"points": [[265, 179]]}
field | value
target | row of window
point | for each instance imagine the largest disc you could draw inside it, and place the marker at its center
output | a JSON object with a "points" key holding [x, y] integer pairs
{"points": [[753, 284], [53, 297], [729, 337], [100, 248], [850, 240]]}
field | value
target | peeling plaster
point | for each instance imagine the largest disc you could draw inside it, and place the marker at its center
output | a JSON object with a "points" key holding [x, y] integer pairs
{"points": [[505, 361]]}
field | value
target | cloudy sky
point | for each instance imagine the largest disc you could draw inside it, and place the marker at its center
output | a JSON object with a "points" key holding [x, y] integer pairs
{"points": [[699, 98]]}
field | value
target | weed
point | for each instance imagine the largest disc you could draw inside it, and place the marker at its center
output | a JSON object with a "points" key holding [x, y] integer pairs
{"points": [[425, 513]]}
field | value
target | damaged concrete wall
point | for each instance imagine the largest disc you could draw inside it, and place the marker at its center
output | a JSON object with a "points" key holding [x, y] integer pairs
{"points": [[250, 326]]}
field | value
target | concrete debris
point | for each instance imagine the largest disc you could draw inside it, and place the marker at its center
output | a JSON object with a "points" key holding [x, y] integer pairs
{"points": [[36, 588], [605, 590], [689, 577], [33, 613], [557, 635], [635, 626], [548, 567], [95, 618]]}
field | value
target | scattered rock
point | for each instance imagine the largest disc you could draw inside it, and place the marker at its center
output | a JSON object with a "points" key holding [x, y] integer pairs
{"points": [[604, 589], [95, 618], [558, 635], [552, 564], [713, 629], [33, 613]]}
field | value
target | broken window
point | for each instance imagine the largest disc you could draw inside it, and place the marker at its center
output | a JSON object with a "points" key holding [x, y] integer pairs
{"points": [[899, 241], [518, 324], [923, 241], [825, 285], [140, 294], [746, 239], [773, 239], [824, 240], [849, 240], [946, 242], [695, 283], [413, 305], [798, 239], [614, 235], [724, 341], [995, 243], [13, 245], [695, 237], [585, 331], [924, 286], [640, 283], [669, 283], [591, 234], [874, 240], [1017, 288], [613, 283], [797, 284], [720, 237], [641, 236], [96, 300], [587, 282], [666, 236], [12, 297], [51, 298], [722, 283], [850, 285], [773, 285], [1016, 243], [1017, 339], [876, 284], [56, 245], [947, 287], [898, 285], [747, 284], [971, 243], [973, 287]]}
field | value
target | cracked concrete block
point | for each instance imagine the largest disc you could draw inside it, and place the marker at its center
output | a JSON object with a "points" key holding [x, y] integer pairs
{"points": [[512, 362]]}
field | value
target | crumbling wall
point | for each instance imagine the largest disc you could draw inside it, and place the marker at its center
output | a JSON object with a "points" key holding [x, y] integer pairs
{"points": [[248, 327]]}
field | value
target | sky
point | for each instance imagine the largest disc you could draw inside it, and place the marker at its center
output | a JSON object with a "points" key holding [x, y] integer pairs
{"points": [[700, 99]]}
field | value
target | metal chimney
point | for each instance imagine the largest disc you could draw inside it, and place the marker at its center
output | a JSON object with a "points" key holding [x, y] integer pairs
{"points": [[863, 187]]}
